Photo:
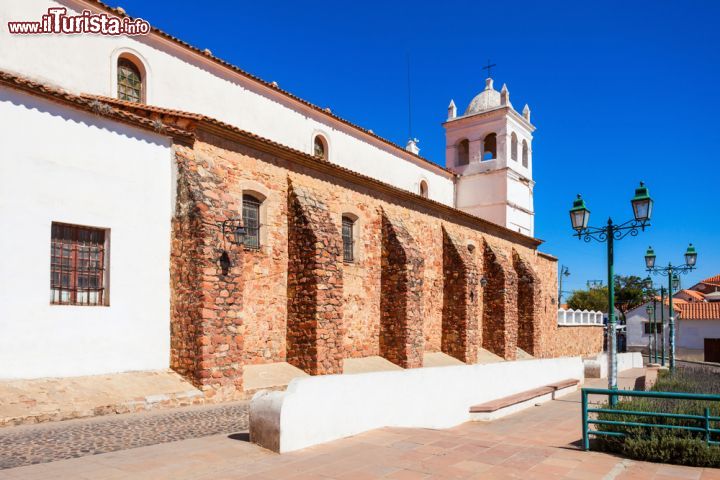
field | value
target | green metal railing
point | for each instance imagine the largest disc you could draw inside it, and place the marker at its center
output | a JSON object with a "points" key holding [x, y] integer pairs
{"points": [[704, 421]]}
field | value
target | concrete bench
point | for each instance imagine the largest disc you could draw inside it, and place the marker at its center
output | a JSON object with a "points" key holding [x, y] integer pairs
{"points": [[512, 403]]}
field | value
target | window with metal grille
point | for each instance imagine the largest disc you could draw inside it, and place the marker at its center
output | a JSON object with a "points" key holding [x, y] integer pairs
{"points": [[77, 265], [347, 238], [129, 81], [251, 221], [647, 328]]}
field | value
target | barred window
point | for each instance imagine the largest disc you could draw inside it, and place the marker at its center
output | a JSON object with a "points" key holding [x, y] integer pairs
{"points": [[129, 81], [647, 328], [251, 221], [77, 265], [348, 225]]}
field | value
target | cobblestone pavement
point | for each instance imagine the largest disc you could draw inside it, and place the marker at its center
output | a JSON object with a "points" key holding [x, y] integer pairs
{"points": [[26, 445]]}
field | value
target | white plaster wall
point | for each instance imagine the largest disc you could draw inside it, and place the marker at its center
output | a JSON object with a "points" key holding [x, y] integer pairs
{"points": [[61, 164], [187, 81], [635, 331], [319, 409], [692, 333], [598, 367]]}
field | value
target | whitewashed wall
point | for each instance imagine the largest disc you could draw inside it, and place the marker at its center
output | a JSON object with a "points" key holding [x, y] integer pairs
{"points": [[636, 318], [61, 164], [692, 333], [572, 317], [186, 81]]}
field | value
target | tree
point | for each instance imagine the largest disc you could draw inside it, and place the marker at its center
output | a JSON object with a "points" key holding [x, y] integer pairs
{"points": [[629, 293], [591, 299]]}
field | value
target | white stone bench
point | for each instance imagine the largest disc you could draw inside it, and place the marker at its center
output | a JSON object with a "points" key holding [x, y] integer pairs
{"points": [[316, 410]]}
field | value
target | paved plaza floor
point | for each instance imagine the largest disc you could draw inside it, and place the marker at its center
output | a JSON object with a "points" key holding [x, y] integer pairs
{"points": [[538, 443]]}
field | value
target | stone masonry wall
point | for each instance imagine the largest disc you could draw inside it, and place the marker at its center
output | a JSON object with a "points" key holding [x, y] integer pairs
{"points": [[314, 286], [460, 319], [500, 315], [206, 304], [222, 322], [528, 307], [401, 282]]}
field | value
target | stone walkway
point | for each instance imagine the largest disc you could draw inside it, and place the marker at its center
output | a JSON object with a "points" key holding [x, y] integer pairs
{"points": [[50, 442], [53, 399], [538, 443]]}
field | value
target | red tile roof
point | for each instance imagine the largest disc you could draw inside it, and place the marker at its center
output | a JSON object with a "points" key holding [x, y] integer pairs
{"points": [[273, 86], [165, 115], [700, 311], [91, 105], [694, 294], [714, 280]]}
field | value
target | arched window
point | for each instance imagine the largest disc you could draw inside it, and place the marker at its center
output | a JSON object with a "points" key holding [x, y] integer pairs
{"points": [[490, 147], [513, 146], [129, 81], [525, 154], [251, 221], [423, 189], [463, 152], [320, 147], [348, 238]]}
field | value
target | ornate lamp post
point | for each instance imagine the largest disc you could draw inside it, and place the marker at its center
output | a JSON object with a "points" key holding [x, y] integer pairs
{"points": [[671, 272], [651, 310], [579, 215]]}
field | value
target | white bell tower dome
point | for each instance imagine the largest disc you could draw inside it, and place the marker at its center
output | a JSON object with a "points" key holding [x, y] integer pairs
{"points": [[490, 148]]}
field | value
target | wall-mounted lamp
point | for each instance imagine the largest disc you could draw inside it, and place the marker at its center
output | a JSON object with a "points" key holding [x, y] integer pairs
{"points": [[234, 230], [483, 282]]}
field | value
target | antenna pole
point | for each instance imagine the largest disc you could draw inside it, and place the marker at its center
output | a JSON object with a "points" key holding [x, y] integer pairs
{"points": [[409, 99]]}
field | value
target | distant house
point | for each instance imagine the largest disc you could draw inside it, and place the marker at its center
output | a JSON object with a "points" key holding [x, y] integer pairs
{"points": [[697, 314]]}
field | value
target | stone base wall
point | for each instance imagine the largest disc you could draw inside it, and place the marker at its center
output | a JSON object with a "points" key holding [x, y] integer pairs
{"points": [[414, 285]]}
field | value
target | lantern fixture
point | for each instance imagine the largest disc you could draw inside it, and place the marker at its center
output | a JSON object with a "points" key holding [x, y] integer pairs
{"points": [[579, 215], [650, 258], [235, 231], [483, 282], [642, 204], [649, 309], [648, 283], [690, 256], [675, 282]]}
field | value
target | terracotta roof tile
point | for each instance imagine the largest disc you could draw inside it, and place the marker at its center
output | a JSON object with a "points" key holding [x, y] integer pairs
{"points": [[714, 280], [700, 311], [88, 104], [207, 54], [697, 296], [156, 112]]}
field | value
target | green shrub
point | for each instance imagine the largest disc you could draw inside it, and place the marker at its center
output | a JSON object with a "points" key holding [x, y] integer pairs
{"points": [[681, 447]]}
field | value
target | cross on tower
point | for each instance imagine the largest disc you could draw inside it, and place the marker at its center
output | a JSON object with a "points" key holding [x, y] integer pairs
{"points": [[488, 67]]}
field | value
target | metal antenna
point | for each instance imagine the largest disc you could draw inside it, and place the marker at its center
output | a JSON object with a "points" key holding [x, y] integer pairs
{"points": [[409, 98]]}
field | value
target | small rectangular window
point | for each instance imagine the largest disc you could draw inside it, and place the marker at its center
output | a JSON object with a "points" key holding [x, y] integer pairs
{"points": [[347, 238], [647, 328], [77, 265], [251, 221]]}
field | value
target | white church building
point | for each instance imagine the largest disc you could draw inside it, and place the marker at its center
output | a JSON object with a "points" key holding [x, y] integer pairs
{"points": [[87, 195]]}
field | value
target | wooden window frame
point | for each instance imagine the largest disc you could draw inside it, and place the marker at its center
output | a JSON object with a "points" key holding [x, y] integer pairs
{"points": [[71, 256]]}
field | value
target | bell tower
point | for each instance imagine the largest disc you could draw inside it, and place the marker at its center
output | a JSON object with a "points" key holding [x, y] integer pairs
{"points": [[490, 148]]}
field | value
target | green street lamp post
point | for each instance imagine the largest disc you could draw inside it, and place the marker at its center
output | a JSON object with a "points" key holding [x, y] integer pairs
{"points": [[651, 310], [671, 272], [642, 206]]}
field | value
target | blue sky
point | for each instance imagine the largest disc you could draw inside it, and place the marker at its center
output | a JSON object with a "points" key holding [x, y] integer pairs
{"points": [[620, 92]]}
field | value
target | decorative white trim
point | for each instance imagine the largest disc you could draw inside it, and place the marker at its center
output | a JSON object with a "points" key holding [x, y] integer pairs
{"points": [[137, 58]]}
